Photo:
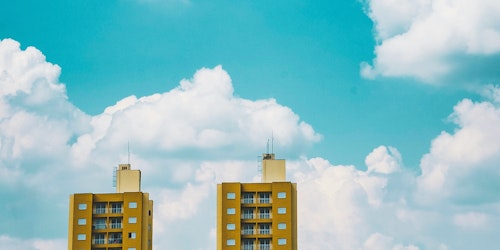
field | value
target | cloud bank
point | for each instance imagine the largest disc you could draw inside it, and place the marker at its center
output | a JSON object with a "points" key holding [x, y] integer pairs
{"points": [[435, 41], [188, 139]]}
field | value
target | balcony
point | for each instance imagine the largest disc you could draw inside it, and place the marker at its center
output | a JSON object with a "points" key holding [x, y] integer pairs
{"points": [[99, 241], [247, 231], [116, 210], [256, 247], [248, 216], [265, 200], [264, 216], [247, 201], [100, 210], [116, 225], [115, 241]]}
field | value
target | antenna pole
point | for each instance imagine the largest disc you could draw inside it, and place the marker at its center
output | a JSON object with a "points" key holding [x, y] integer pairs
{"points": [[272, 142], [128, 152]]}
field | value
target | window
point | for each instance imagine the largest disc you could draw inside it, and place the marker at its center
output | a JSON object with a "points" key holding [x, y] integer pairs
{"points": [[247, 244], [265, 244], [82, 206], [100, 208], [265, 198], [230, 226], [132, 220], [99, 223], [281, 195], [115, 238], [247, 229], [116, 208], [82, 221], [282, 210], [132, 235], [132, 204], [265, 228], [231, 242], [116, 223], [247, 198], [98, 239], [281, 241], [265, 213], [247, 213], [282, 226], [231, 211], [81, 237], [231, 196], [131, 248]]}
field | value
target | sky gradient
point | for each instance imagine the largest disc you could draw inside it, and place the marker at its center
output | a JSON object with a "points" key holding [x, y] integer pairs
{"points": [[386, 113]]}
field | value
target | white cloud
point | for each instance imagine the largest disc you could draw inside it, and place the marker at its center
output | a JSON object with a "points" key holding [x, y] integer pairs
{"points": [[384, 160], [379, 241], [431, 39], [201, 114], [470, 220], [8, 243], [490, 92], [190, 138], [49, 148], [461, 166], [346, 195]]}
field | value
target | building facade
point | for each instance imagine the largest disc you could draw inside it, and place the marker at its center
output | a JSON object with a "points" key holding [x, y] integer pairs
{"points": [[258, 216], [112, 221]]}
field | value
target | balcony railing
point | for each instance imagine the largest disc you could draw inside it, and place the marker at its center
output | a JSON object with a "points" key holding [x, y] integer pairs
{"points": [[116, 210], [116, 225], [115, 241], [247, 216], [100, 210], [264, 200], [247, 231], [99, 226], [97, 241], [247, 201], [264, 216], [103, 210]]}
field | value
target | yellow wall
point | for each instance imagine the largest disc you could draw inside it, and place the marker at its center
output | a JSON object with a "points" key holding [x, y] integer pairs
{"points": [[74, 228], [128, 181], [142, 227], [290, 217], [273, 170]]}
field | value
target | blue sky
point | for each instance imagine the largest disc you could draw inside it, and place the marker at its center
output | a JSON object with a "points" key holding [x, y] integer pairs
{"points": [[305, 55], [391, 110]]}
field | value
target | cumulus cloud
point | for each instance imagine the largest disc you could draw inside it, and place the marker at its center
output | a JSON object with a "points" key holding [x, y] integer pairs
{"points": [[9, 243], [379, 241], [490, 92], [433, 39], [461, 166], [201, 114], [188, 139], [341, 207], [470, 220], [384, 160], [49, 148]]}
